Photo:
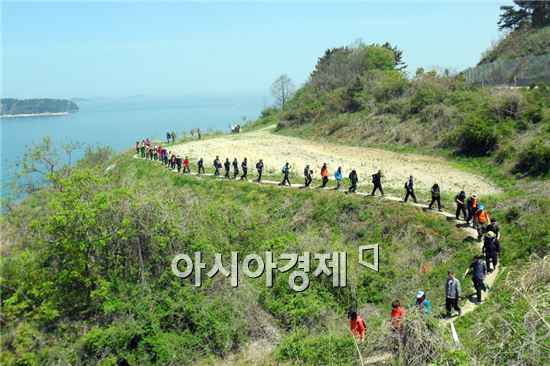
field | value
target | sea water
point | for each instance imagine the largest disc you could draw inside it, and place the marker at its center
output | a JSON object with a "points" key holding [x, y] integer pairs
{"points": [[120, 123]]}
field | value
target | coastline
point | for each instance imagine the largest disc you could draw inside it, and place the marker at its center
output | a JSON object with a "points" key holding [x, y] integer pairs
{"points": [[46, 114]]}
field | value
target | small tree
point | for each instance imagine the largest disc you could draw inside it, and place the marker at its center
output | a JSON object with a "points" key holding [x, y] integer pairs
{"points": [[282, 89]]}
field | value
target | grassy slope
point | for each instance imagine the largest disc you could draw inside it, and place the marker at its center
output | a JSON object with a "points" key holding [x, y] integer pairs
{"points": [[167, 320], [522, 42]]}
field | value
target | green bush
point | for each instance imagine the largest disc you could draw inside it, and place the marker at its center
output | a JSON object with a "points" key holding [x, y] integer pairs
{"points": [[534, 160], [476, 137], [301, 347]]}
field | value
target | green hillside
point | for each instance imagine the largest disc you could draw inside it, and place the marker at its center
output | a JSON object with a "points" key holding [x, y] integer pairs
{"points": [[86, 275], [88, 278], [376, 104], [525, 41]]}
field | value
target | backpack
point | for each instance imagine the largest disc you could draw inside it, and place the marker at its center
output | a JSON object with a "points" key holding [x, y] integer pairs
{"points": [[407, 185]]}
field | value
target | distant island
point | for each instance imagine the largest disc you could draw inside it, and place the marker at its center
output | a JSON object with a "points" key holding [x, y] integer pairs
{"points": [[12, 108]]}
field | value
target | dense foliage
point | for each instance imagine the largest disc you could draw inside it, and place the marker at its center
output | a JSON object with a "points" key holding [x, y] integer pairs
{"points": [[10, 106], [361, 95], [86, 272]]}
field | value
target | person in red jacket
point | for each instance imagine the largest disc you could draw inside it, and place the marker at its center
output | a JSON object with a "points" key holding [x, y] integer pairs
{"points": [[186, 165], [356, 325], [397, 315]]}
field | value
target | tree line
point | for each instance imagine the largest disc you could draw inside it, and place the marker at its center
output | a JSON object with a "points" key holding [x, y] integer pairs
{"points": [[11, 106]]}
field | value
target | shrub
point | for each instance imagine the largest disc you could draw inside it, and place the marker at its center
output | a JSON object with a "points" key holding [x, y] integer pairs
{"points": [[534, 160], [387, 85], [506, 103], [302, 348], [428, 89], [476, 137]]}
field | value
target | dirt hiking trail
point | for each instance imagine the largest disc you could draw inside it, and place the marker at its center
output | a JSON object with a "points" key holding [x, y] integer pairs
{"points": [[259, 351], [276, 150]]}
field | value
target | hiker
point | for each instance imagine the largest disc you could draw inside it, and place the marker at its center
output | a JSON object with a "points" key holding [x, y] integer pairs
{"points": [[436, 196], [200, 164], [244, 166], [452, 294], [493, 226], [353, 179], [217, 164], [159, 153], [137, 147], [324, 175], [479, 271], [397, 315], [286, 172], [307, 176], [422, 302], [165, 156], [260, 170], [472, 206], [235, 168], [173, 161], [491, 249], [409, 189], [178, 163], [155, 153], [338, 177], [142, 149], [186, 165], [168, 136], [481, 220], [173, 135], [377, 181], [357, 325], [460, 205], [199, 133], [227, 167]]}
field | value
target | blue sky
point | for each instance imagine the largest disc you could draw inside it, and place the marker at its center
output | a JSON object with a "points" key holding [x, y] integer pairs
{"points": [[176, 49]]}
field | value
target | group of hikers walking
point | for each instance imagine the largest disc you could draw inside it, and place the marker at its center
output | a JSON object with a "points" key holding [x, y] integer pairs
{"points": [[471, 209], [480, 266]]}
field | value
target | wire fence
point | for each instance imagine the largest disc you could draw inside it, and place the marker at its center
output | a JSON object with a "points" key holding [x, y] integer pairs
{"points": [[520, 71]]}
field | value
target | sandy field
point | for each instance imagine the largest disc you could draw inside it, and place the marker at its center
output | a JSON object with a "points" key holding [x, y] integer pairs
{"points": [[275, 150]]}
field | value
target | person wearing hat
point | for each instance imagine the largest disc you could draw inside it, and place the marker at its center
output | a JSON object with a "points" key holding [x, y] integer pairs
{"points": [[481, 220], [479, 271], [460, 205], [307, 176], [452, 294], [491, 249], [260, 169], [178, 163], [493, 226], [436, 196], [422, 302], [472, 205]]}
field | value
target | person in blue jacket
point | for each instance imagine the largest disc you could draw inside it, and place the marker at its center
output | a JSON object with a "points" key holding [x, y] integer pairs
{"points": [[338, 177], [422, 302]]}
